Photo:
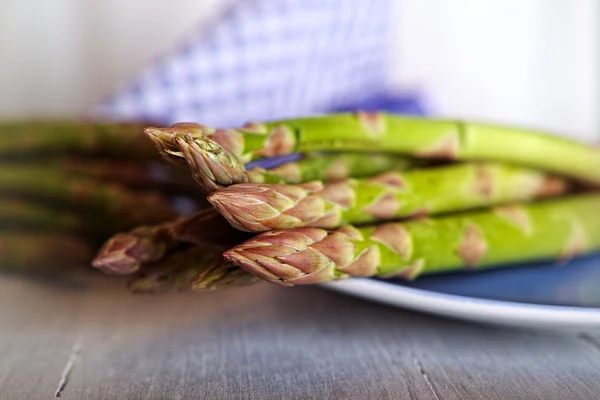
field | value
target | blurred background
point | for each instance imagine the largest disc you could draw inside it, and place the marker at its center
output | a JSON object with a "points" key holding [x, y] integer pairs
{"points": [[525, 62]]}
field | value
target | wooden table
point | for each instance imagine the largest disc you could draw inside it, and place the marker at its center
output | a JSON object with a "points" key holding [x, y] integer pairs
{"points": [[90, 339]]}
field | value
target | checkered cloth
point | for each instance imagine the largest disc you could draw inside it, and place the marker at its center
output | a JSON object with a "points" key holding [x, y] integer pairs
{"points": [[269, 59]]}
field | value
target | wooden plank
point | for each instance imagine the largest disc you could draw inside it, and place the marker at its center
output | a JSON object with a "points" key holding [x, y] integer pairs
{"points": [[35, 342], [465, 361], [266, 342], [255, 343]]}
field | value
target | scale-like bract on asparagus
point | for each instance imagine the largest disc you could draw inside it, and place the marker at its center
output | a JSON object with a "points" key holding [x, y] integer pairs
{"points": [[197, 268], [414, 136], [388, 196], [212, 166], [52, 137], [552, 229]]}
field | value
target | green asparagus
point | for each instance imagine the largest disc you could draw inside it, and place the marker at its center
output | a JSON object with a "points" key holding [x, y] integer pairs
{"points": [[137, 175], [197, 268], [552, 229], [41, 251], [50, 137], [126, 252], [109, 200], [414, 136], [329, 167], [388, 196], [18, 213]]}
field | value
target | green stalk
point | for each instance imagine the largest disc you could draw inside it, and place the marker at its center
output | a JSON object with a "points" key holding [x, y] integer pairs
{"points": [[104, 199], [553, 229], [138, 175], [49, 137], [18, 214], [329, 167], [413, 136], [197, 268], [388, 196], [40, 251]]}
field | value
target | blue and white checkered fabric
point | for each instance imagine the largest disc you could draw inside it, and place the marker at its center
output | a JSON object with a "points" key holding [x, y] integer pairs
{"points": [[265, 59]]}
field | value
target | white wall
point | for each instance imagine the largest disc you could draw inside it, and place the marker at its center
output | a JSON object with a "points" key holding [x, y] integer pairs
{"points": [[58, 57], [529, 62], [526, 62]]}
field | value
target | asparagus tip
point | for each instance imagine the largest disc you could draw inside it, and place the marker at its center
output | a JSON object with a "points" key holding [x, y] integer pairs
{"points": [[289, 257], [257, 207], [124, 253], [161, 138], [212, 165]]}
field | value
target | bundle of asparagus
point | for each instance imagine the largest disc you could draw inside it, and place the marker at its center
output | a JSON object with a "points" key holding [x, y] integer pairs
{"points": [[65, 187], [372, 194]]}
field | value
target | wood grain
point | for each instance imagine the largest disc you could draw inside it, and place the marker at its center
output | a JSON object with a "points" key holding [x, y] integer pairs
{"points": [[265, 342]]}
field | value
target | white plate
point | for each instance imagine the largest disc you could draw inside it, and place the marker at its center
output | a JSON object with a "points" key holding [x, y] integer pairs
{"points": [[544, 295]]}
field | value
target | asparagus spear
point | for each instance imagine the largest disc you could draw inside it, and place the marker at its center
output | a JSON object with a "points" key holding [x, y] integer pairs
{"points": [[39, 251], [23, 214], [330, 167], [199, 268], [139, 175], [20, 138], [114, 201], [559, 228], [126, 252], [215, 167], [414, 136], [388, 196], [17, 214], [135, 175]]}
